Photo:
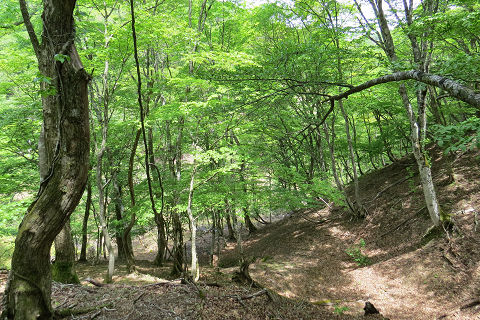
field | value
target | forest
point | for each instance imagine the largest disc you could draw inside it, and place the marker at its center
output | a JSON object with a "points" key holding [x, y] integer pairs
{"points": [[167, 149]]}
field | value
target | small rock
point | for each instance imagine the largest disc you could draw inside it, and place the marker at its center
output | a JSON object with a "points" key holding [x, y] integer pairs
{"points": [[370, 309]]}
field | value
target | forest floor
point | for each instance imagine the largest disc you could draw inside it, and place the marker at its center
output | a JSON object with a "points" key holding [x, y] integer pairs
{"points": [[391, 263], [318, 263]]}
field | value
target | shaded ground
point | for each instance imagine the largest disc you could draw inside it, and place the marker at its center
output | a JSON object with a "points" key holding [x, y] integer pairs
{"points": [[305, 255], [142, 296]]}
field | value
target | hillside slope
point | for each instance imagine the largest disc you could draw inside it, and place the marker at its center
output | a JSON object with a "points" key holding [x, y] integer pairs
{"points": [[305, 255]]}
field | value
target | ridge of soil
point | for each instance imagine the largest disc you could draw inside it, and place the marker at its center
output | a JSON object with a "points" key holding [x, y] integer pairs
{"points": [[402, 274]]}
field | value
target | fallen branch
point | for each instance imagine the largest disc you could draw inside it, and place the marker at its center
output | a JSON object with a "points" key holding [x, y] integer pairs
{"points": [[96, 314], [470, 304], [175, 282], [322, 221], [139, 296], [95, 283], [388, 187], [213, 284], [403, 222], [256, 294]]}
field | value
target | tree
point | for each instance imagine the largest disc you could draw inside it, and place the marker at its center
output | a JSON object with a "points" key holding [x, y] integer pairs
{"points": [[63, 269], [64, 154]]}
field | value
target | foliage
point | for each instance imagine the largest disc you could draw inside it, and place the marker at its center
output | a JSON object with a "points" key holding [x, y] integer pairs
{"points": [[355, 252], [340, 309], [234, 98], [460, 136]]}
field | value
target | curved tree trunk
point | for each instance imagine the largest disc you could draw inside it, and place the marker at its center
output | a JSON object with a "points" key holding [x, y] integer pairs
{"points": [[65, 151]]}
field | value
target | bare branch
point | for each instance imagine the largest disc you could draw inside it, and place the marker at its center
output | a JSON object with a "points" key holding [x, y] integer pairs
{"points": [[454, 88]]}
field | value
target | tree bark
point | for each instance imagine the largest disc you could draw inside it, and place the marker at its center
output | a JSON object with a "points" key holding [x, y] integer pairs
{"points": [[65, 139], [418, 123], [422, 161], [83, 251]]}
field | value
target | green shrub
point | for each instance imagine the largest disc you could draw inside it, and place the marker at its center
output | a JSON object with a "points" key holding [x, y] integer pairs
{"points": [[356, 253]]}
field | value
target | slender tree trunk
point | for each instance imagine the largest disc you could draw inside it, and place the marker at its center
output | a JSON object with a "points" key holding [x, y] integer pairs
{"points": [[238, 233], [359, 208], [213, 239], [126, 234], [63, 270], [178, 258], [65, 152], [102, 210], [231, 233], [418, 123], [421, 158], [386, 144], [83, 251], [195, 270], [331, 147], [369, 135], [142, 122]]}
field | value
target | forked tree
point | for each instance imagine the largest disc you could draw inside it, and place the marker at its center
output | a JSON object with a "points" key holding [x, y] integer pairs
{"points": [[64, 155]]}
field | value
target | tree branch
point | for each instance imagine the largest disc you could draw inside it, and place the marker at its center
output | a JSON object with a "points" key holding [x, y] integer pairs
{"points": [[30, 30], [454, 88]]}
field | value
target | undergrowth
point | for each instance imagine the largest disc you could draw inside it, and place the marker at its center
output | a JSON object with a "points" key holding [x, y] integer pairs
{"points": [[355, 251]]}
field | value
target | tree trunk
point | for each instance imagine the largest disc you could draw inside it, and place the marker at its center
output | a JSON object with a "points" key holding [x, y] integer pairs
{"points": [[238, 232], [65, 150], [195, 270], [331, 148], [177, 268], [214, 234], [102, 205], [421, 158], [131, 189], [251, 227], [124, 241], [418, 126], [176, 167], [63, 269], [231, 233], [359, 209], [83, 251]]}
